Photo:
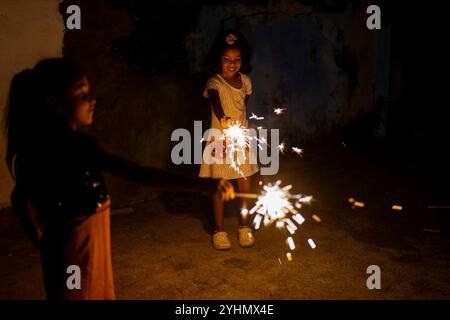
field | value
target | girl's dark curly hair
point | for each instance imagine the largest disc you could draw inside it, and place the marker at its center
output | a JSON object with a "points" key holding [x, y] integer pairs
{"points": [[221, 45]]}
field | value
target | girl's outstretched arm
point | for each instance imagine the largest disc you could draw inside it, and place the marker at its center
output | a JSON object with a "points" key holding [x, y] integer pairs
{"points": [[164, 180], [215, 103]]}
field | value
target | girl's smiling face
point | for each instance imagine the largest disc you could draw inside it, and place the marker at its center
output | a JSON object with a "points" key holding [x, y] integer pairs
{"points": [[80, 103], [231, 62]]}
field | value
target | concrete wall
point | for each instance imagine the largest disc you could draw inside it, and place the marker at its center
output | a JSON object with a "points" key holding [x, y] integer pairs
{"points": [[30, 30], [318, 61], [146, 63]]}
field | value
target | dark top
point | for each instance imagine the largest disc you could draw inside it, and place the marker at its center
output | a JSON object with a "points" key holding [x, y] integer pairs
{"points": [[61, 174]]}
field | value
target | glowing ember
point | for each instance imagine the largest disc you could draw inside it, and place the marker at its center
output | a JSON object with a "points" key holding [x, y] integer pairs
{"points": [[278, 111], [289, 256], [317, 218], [351, 200], [358, 204], [397, 207], [291, 224], [311, 243]]}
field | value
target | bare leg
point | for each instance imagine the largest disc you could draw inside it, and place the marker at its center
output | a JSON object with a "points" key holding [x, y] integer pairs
{"points": [[244, 187], [218, 213]]}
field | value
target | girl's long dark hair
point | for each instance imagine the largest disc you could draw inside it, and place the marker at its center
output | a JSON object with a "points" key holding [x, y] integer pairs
{"points": [[36, 103], [219, 47]]}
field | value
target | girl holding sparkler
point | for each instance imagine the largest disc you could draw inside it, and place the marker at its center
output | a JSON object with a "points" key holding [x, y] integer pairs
{"points": [[228, 92], [60, 195]]}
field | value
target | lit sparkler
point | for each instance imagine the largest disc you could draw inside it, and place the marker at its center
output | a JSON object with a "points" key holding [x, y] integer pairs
{"points": [[238, 142], [277, 205]]}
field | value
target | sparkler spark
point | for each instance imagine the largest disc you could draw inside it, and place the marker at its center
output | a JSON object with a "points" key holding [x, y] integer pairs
{"points": [[282, 147], [254, 116], [278, 111], [311, 243], [298, 218], [298, 151], [291, 243]]}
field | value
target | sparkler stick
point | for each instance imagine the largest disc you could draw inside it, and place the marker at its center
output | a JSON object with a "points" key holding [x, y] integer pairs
{"points": [[246, 195]]}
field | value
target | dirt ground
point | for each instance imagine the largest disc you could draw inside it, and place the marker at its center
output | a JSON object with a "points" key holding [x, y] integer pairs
{"points": [[163, 249]]}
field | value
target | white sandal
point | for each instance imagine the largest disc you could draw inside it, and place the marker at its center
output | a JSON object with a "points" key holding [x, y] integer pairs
{"points": [[220, 241], [246, 239]]}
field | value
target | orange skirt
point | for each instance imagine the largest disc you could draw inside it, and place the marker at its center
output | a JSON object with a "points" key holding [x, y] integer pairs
{"points": [[84, 241]]}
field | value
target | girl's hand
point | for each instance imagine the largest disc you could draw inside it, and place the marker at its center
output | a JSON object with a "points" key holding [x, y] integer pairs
{"points": [[225, 190], [225, 122]]}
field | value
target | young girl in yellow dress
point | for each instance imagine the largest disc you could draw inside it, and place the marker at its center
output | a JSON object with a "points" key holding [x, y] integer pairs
{"points": [[228, 92]]}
